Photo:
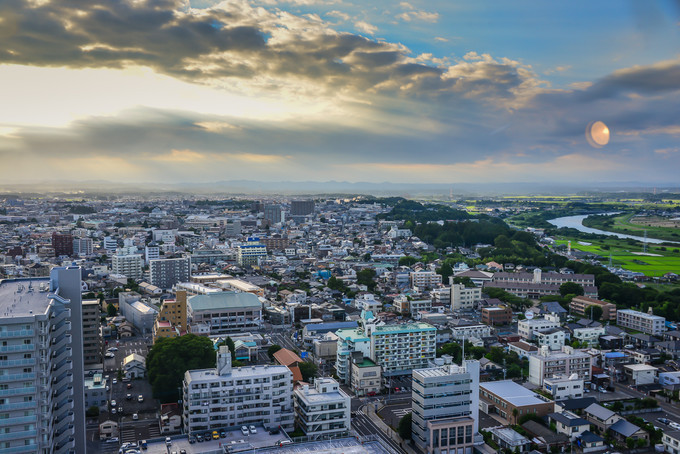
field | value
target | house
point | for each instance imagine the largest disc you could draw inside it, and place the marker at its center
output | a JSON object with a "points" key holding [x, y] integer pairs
{"points": [[569, 424], [589, 442], [292, 361], [171, 418], [134, 366], [544, 437], [622, 430], [601, 417], [574, 405], [640, 374], [671, 441], [108, 429]]}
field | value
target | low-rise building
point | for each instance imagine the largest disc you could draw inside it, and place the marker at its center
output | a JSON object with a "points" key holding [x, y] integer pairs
{"points": [[602, 418], [527, 328], [322, 411], [579, 304], [134, 366], [569, 424], [497, 315], [366, 376], [671, 441], [567, 362], [553, 338], [562, 388], [224, 312], [506, 396], [640, 374], [640, 321]]}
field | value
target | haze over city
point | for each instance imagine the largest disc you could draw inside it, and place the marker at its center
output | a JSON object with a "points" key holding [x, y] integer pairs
{"points": [[303, 90]]}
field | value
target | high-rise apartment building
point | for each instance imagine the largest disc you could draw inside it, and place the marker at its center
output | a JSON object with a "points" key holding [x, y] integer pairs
{"points": [[42, 407], [62, 243], [129, 265], [167, 272], [569, 361], [151, 253], [172, 317], [227, 397], [445, 406], [464, 298], [92, 349], [301, 207], [252, 252], [83, 247], [272, 213]]}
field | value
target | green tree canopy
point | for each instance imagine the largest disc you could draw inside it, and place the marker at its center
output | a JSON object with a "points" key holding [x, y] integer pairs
{"points": [[170, 358], [111, 310], [408, 261], [404, 427], [273, 349], [571, 288], [594, 312], [308, 370], [365, 277]]}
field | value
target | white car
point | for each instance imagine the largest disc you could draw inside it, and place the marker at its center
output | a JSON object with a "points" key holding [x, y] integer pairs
{"points": [[244, 430], [113, 403], [253, 430], [113, 411], [112, 349], [135, 417], [111, 440], [115, 380]]}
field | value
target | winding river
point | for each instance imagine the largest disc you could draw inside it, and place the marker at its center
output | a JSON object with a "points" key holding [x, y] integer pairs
{"points": [[576, 222]]}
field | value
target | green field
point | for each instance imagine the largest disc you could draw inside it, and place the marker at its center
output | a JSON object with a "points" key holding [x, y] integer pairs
{"points": [[622, 224], [622, 255]]}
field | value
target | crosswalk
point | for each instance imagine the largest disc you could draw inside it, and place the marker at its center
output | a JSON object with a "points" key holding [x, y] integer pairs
{"points": [[400, 412]]}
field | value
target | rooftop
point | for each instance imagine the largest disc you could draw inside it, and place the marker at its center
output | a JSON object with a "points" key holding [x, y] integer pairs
{"points": [[23, 297], [404, 328], [223, 300], [238, 372], [510, 391]]}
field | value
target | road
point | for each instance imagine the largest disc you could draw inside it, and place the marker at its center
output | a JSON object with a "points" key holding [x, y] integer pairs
{"points": [[671, 409], [363, 425]]}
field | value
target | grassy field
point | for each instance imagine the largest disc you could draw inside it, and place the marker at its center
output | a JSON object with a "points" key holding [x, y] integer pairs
{"points": [[623, 224], [622, 255]]}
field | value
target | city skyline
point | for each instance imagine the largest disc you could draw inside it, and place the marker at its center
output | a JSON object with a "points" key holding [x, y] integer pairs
{"points": [[313, 90]]}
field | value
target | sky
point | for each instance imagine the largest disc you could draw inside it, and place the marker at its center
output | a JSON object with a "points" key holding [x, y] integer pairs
{"points": [[317, 90]]}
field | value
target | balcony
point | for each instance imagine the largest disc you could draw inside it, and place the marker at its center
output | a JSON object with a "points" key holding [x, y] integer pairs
{"points": [[17, 391], [18, 435], [17, 377], [18, 348], [18, 406], [19, 449], [17, 333], [17, 362]]}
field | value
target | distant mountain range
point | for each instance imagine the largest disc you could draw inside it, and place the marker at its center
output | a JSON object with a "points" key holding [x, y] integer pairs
{"points": [[244, 187]]}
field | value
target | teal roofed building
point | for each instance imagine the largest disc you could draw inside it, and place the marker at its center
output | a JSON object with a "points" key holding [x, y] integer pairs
{"points": [[223, 313]]}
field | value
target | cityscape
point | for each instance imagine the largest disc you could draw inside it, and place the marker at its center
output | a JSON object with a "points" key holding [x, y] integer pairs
{"points": [[335, 227]]}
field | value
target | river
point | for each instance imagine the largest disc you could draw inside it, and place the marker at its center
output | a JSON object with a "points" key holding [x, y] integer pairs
{"points": [[576, 222]]}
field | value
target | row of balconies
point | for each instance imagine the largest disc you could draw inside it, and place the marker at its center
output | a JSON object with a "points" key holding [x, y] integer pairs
{"points": [[17, 333]]}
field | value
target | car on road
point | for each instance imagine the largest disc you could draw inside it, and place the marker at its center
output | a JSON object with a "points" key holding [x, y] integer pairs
{"points": [[112, 349], [128, 396], [215, 435], [674, 425], [182, 451], [135, 417], [114, 381], [113, 411], [113, 403], [253, 430], [664, 420], [111, 440], [244, 430], [140, 398], [129, 386], [168, 441]]}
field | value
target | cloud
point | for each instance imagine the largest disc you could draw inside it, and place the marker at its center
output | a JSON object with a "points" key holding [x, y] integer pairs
{"points": [[183, 156], [365, 27], [424, 16]]}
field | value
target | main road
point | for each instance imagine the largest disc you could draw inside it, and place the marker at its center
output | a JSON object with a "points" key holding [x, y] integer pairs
{"points": [[363, 425]]}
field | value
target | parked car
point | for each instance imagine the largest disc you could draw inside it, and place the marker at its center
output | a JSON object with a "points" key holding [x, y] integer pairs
{"points": [[253, 430], [140, 398], [168, 441], [112, 349], [244, 430], [128, 396], [113, 402], [664, 420], [111, 440], [199, 438], [135, 416], [113, 411], [223, 433], [115, 380], [192, 439], [129, 386]]}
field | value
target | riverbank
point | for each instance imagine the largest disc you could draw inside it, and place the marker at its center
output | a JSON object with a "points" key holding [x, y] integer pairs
{"points": [[631, 223]]}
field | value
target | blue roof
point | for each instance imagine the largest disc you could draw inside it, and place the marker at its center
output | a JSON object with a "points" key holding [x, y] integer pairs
{"points": [[615, 355]]}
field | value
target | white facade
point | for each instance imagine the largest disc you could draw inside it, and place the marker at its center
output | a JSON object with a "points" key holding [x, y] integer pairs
{"points": [[83, 247], [553, 338], [151, 253], [548, 364], [563, 388], [442, 394], [639, 321], [464, 298], [527, 328], [129, 265], [470, 331], [323, 410], [224, 397], [367, 302], [640, 374], [425, 279], [588, 335], [669, 378]]}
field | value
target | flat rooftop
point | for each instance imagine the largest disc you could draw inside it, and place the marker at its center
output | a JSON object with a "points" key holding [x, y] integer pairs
{"points": [[238, 372], [508, 390], [23, 297]]}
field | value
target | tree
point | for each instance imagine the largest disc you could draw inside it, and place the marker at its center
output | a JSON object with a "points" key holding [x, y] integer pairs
{"points": [[407, 260], [404, 427], [366, 257], [571, 288], [308, 370], [365, 277], [92, 412], [169, 358], [594, 312], [111, 310], [273, 349]]}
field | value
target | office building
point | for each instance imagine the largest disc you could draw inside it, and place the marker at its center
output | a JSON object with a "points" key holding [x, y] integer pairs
{"points": [[569, 361], [42, 394], [62, 243], [129, 265], [496, 315], [83, 247], [272, 214], [322, 410], [227, 397], [165, 273], [223, 313], [445, 407], [640, 321], [172, 317], [92, 348], [301, 207], [464, 298], [251, 253], [579, 304]]}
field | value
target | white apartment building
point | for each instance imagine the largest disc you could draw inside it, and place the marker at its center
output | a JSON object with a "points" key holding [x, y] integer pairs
{"points": [[151, 253], [227, 397], [367, 302], [639, 321], [83, 247], [397, 348], [445, 407], [567, 362], [468, 332], [129, 265], [562, 388], [527, 328], [425, 279], [588, 334], [464, 298], [417, 306], [42, 398], [110, 244], [553, 338], [165, 273], [322, 410]]}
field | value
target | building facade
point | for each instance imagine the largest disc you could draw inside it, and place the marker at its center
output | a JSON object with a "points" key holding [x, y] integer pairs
{"points": [[172, 317], [445, 407], [129, 265], [92, 347], [569, 361], [251, 253], [579, 304], [301, 207], [464, 298], [223, 313], [165, 273], [226, 397], [322, 410], [496, 315], [640, 321]]}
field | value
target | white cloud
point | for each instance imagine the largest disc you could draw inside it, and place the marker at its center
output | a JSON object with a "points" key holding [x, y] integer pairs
{"points": [[424, 16], [365, 27]]}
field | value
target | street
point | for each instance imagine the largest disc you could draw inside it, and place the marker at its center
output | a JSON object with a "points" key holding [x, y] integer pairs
{"points": [[363, 425]]}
